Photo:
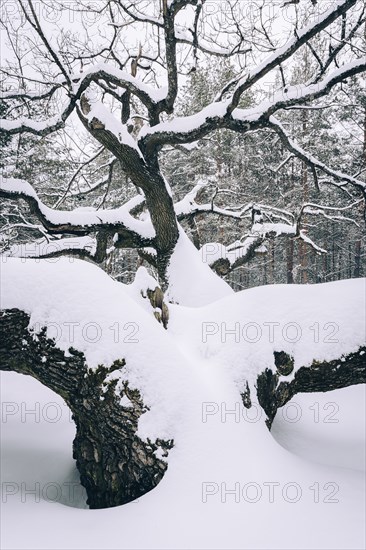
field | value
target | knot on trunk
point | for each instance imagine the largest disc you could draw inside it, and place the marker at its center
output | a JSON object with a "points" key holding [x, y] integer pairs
{"points": [[284, 363], [161, 311]]}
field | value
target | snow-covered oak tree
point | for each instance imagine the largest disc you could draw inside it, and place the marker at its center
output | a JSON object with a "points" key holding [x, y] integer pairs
{"points": [[110, 72]]}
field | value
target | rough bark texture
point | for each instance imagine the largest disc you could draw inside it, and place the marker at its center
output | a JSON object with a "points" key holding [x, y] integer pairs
{"points": [[115, 465], [161, 312], [319, 377], [145, 174]]}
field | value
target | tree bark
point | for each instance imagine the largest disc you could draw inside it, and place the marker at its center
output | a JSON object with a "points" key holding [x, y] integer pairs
{"points": [[290, 261], [115, 465], [357, 269], [323, 376], [145, 173]]}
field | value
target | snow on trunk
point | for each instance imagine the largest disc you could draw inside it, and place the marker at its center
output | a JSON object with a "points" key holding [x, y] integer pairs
{"points": [[192, 283]]}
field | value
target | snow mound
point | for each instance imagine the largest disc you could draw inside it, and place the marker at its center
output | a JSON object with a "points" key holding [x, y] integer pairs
{"points": [[227, 474], [193, 283], [309, 322], [83, 308]]}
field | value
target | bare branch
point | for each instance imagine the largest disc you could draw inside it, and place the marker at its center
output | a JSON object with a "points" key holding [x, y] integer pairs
{"points": [[118, 220], [309, 159]]}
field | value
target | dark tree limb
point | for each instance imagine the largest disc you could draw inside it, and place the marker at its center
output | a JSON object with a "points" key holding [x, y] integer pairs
{"points": [[321, 376], [115, 465], [65, 227]]}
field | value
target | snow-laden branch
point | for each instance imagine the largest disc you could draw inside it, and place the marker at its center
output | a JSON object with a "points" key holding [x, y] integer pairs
{"points": [[180, 130], [115, 137], [295, 95], [188, 206], [187, 129], [100, 118], [330, 212], [79, 221], [102, 72], [344, 40], [112, 75], [285, 52], [224, 259], [40, 128]]}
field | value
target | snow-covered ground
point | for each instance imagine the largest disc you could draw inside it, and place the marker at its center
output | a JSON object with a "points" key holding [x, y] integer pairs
{"points": [[230, 482]]}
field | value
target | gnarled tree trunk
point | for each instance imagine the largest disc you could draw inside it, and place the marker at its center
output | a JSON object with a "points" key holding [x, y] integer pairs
{"points": [[115, 465]]}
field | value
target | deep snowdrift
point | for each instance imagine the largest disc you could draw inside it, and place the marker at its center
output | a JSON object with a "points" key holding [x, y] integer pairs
{"points": [[191, 378]]}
